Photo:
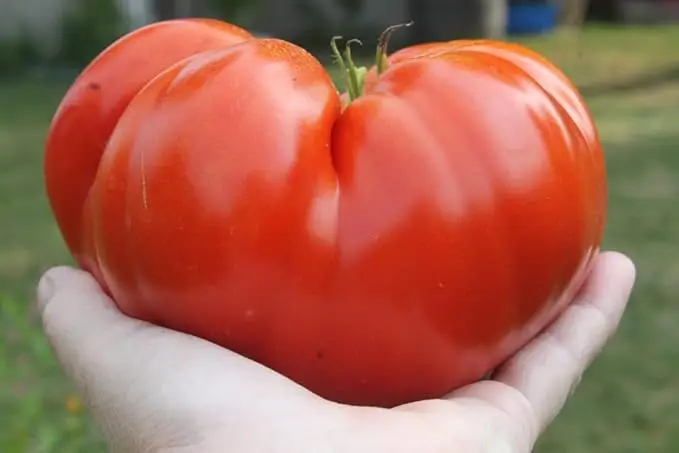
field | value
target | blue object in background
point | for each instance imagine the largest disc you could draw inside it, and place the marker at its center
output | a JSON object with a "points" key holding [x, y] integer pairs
{"points": [[530, 18]]}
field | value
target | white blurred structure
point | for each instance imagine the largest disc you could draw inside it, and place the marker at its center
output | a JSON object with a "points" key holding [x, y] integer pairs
{"points": [[41, 20], [138, 12]]}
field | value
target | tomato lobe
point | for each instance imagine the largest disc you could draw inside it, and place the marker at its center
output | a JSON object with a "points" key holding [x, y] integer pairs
{"points": [[378, 254]]}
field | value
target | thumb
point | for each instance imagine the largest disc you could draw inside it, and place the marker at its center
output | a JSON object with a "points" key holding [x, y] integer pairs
{"points": [[103, 350], [119, 364], [150, 388], [80, 321], [98, 346]]}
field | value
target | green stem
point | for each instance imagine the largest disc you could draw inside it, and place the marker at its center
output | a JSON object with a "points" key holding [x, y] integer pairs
{"points": [[382, 44], [337, 55], [354, 76]]}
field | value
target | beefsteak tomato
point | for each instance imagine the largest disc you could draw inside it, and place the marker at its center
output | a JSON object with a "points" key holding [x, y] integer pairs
{"points": [[379, 252]]}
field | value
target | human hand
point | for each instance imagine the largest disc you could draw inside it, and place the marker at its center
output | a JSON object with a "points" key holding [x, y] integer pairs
{"points": [[152, 389]]}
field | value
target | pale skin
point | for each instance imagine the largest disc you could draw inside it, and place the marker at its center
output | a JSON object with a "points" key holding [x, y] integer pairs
{"points": [[155, 390]]}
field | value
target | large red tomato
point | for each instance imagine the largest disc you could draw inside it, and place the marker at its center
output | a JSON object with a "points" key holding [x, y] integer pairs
{"points": [[378, 253]]}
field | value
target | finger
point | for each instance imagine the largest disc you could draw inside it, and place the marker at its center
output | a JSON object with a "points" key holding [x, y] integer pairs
{"points": [[97, 344], [81, 322], [548, 369], [131, 373]]}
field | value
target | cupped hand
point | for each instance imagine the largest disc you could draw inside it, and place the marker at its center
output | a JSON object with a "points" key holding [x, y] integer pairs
{"points": [[155, 390]]}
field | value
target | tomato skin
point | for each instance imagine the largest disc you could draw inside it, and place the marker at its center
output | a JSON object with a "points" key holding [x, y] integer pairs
{"points": [[90, 110], [379, 254]]}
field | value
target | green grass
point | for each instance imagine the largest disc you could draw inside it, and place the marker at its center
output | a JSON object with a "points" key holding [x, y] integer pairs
{"points": [[627, 400]]}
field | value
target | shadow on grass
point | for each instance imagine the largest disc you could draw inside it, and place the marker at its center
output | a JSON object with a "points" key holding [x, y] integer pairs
{"points": [[643, 81]]}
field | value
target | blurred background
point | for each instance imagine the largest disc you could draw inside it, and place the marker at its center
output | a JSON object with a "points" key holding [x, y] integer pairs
{"points": [[624, 56]]}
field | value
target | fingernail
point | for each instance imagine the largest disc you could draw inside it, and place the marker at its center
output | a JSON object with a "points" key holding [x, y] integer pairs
{"points": [[46, 289]]}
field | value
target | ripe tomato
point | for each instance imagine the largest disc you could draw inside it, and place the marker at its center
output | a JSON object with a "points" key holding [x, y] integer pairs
{"points": [[380, 252]]}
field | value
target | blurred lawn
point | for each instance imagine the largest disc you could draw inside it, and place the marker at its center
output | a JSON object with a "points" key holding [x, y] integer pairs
{"points": [[626, 402]]}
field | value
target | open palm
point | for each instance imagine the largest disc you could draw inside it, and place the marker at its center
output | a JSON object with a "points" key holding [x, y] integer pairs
{"points": [[152, 389]]}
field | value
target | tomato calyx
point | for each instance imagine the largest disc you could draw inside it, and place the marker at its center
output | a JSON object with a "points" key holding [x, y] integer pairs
{"points": [[354, 76]]}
